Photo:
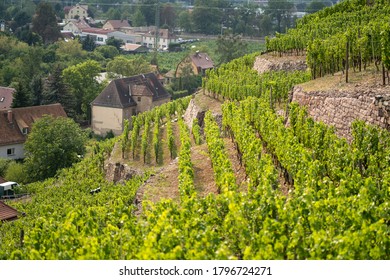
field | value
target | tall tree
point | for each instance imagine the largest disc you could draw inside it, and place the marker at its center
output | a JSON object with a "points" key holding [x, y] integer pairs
{"points": [[83, 84], [57, 91], [208, 16], [45, 23], [230, 47], [36, 86], [22, 96], [280, 10], [53, 143]]}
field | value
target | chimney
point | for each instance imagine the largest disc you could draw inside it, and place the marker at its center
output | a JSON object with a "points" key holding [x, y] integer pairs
{"points": [[9, 116]]}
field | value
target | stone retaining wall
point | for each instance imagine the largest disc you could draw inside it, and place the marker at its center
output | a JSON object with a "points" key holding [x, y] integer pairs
{"points": [[340, 109]]}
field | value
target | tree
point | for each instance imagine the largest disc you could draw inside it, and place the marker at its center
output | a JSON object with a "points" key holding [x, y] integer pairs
{"points": [[22, 96], [83, 85], [168, 16], [279, 10], [57, 91], [36, 86], [208, 16], [88, 43], [315, 6], [117, 43], [185, 21], [53, 143], [230, 47], [123, 67], [139, 18], [107, 51], [45, 23]]}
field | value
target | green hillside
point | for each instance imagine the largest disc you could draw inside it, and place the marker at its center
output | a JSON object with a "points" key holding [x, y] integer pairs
{"points": [[278, 191]]}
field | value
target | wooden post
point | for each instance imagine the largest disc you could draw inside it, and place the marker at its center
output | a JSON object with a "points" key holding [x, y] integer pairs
{"points": [[346, 62]]}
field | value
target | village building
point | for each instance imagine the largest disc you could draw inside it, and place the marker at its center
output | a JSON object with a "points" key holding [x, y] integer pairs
{"points": [[76, 26], [199, 63], [76, 12], [164, 39], [116, 25], [123, 98], [16, 123]]}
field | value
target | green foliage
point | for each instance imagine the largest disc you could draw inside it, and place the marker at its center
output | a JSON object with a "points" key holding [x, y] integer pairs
{"points": [[83, 84], [230, 47], [16, 172], [53, 143], [120, 66], [45, 23], [196, 132], [3, 166]]}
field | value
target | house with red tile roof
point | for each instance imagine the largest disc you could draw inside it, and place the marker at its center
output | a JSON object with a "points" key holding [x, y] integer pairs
{"points": [[76, 26], [7, 213], [16, 123], [200, 62], [164, 39], [123, 98], [116, 25], [6, 97]]}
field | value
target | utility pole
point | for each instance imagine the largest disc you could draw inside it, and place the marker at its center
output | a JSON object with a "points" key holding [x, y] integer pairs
{"points": [[157, 22]]}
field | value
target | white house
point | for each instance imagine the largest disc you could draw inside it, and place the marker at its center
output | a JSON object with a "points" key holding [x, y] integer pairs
{"points": [[76, 26], [16, 123], [164, 39], [100, 35]]}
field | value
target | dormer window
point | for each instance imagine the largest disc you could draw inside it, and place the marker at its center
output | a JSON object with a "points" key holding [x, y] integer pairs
{"points": [[25, 130], [2, 99]]}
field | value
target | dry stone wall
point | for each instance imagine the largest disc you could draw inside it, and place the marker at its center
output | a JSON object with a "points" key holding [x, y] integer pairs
{"points": [[341, 108]]}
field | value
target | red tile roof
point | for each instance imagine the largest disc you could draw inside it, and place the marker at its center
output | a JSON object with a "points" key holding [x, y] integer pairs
{"points": [[6, 96], [93, 30], [13, 121], [202, 60], [7, 213], [116, 24]]}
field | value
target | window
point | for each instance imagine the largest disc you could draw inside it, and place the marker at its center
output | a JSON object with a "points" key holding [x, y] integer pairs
{"points": [[139, 98], [134, 112], [100, 39], [24, 130], [2, 99], [11, 152]]}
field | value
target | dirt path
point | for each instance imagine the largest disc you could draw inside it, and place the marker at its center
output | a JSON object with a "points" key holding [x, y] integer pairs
{"points": [[203, 172]]}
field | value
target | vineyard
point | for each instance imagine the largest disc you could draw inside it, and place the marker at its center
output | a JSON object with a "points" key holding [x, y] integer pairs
{"points": [[280, 190]]}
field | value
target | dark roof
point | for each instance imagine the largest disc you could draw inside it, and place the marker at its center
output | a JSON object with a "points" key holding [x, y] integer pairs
{"points": [[11, 131], [119, 93], [202, 60], [118, 23], [6, 96], [7, 213]]}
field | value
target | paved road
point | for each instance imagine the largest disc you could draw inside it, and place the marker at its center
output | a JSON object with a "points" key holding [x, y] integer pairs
{"points": [[202, 36]]}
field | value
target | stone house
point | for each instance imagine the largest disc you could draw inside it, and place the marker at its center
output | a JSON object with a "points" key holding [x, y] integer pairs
{"points": [[123, 98], [16, 123]]}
